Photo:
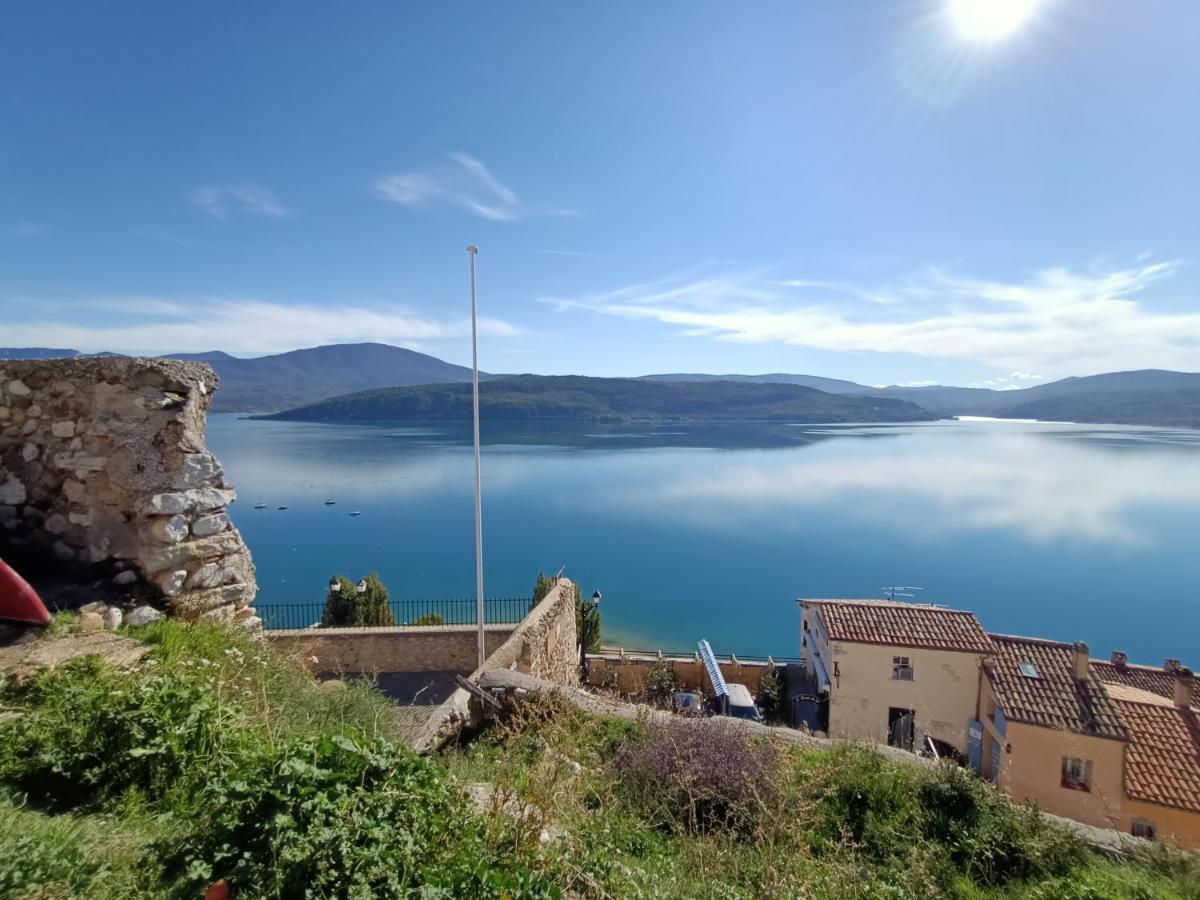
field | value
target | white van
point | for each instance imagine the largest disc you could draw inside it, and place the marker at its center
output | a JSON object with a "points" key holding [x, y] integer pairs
{"points": [[740, 705]]}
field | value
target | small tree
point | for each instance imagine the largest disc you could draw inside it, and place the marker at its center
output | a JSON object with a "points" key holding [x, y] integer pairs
{"points": [[772, 695], [430, 618], [346, 606], [660, 683]]}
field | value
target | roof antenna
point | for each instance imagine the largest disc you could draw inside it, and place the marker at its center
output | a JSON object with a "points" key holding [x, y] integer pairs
{"points": [[891, 592]]}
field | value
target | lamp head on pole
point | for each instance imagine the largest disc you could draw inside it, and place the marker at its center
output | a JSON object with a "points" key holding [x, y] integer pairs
{"points": [[335, 586], [596, 598], [472, 249], [361, 587]]}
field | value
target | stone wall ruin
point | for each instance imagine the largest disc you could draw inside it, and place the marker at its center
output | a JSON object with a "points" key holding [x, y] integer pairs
{"points": [[104, 476]]}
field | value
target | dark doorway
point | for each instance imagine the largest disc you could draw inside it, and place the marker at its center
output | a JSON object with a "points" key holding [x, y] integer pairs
{"points": [[900, 728]]}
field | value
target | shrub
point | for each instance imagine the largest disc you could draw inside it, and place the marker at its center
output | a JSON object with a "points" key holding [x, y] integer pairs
{"points": [[91, 733], [430, 618], [699, 776], [337, 818], [660, 683], [984, 835]]}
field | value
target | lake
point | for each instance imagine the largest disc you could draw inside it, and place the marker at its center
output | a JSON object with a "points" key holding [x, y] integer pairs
{"points": [[1062, 531]]}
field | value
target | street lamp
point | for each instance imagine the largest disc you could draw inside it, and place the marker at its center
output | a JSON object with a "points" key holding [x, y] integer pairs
{"points": [[473, 250], [361, 587], [596, 598], [335, 586]]}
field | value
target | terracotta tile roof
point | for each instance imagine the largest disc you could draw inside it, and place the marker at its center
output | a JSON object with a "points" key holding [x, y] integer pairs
{"points": [[901, 625], [1147, 678], [1052, 698], [1163, 762]]}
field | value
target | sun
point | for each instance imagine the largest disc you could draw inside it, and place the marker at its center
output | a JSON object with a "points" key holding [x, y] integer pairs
{"points": [[989, 20]]}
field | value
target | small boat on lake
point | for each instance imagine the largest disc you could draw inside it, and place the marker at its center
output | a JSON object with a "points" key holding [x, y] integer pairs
{"points": [[356, 513], [330, 502], [260, 506], [281, 507]]}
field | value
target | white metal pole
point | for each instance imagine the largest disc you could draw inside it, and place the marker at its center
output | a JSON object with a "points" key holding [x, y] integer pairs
{"points": [[478, 484]]}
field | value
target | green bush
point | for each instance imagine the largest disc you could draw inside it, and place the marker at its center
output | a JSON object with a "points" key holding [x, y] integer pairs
{"points": [[91, 733], [337, 818], [430, 618]]}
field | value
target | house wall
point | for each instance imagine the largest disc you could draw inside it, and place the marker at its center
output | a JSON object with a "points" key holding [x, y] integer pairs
{"points": [[1175, 825], [1031, 770]]}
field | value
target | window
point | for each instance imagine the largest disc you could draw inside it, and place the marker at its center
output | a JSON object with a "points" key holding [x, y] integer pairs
{"points": [[901, 668], [1076, 773], [1028, 669], [1143, 829]]}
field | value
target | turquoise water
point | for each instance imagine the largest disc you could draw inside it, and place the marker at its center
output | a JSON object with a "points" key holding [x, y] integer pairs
{"points": [[1068, 532]]}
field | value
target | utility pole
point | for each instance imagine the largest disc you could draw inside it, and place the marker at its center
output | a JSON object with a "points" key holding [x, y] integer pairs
{"points": [[473, 250]]}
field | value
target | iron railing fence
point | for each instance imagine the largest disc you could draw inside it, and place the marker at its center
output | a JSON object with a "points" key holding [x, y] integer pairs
{"points": [[445, 612]]}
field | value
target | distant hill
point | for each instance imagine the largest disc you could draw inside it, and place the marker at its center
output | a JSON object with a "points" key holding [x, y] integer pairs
{"points": [[1140, 397], [270, 383], [577, 398]]}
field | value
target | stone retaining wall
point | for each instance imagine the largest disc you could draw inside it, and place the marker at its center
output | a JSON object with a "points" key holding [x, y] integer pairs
{"points": [[407, 648], [103, 468]]}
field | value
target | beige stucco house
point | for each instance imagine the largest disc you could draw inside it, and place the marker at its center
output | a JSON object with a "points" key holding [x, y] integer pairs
{"points": [[894, 673], [1106, 743]]}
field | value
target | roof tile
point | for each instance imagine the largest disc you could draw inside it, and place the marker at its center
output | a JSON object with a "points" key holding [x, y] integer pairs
{"points": [[1052, 698], [1163, 762], [901, 625]]}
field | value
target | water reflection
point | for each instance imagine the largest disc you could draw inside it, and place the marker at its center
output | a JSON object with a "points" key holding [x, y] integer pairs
{"points": [[713, 531]]}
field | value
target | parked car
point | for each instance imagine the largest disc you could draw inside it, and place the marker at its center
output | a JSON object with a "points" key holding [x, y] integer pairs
{"points": [[740, 705], [687, 703]]}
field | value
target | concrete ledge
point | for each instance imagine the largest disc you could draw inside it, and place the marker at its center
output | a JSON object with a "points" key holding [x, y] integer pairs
{"points": [[402, 648]]}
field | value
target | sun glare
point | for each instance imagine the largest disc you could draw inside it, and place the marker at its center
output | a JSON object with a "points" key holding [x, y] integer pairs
{"points": [[989, 20]]}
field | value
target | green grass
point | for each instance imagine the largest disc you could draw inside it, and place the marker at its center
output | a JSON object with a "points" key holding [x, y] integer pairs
{"points": [[220, 758]]}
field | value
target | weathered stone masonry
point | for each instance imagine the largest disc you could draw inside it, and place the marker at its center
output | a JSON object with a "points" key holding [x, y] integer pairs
{"points": [[103, 467]]}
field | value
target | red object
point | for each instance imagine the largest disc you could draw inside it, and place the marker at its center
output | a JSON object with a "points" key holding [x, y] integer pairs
{"points": [[18, 601], [218, 890]]}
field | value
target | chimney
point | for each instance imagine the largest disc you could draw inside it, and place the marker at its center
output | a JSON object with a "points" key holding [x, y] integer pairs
{"points": [[1171, 665], [1184, 679], [1080, 672], [1119, 658]]}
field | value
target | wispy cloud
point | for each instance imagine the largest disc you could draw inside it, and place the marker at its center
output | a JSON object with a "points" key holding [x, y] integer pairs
{"points": [[29, 229], [247, 199], [463, 182], [236, 326], [1056, 322]]}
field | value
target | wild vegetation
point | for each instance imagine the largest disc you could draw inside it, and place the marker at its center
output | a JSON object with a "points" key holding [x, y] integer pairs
{"points": [[587, 613], [222, 760]]}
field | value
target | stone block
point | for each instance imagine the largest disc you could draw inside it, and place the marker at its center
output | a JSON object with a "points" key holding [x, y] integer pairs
{"points": [[91, 621], [125, 578], [30, 452], [63, 429], [171, 583], [112, 618], [227, 543], [12, 491], [208, 525], [18, 388], [142, 615], [199, 470], [56, 523], [169, 529], [194, 603], [209, 575], [75, 490], [199, 500]]}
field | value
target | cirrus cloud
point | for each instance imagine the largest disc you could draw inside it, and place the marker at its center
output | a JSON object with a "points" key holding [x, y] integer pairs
{"points": [[1056, 322]]}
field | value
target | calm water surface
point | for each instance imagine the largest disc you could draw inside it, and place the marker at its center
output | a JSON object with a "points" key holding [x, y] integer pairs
{"points": [[1063, 531]]}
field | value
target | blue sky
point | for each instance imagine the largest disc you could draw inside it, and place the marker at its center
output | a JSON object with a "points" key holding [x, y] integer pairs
{"points": [[858, 190]]}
